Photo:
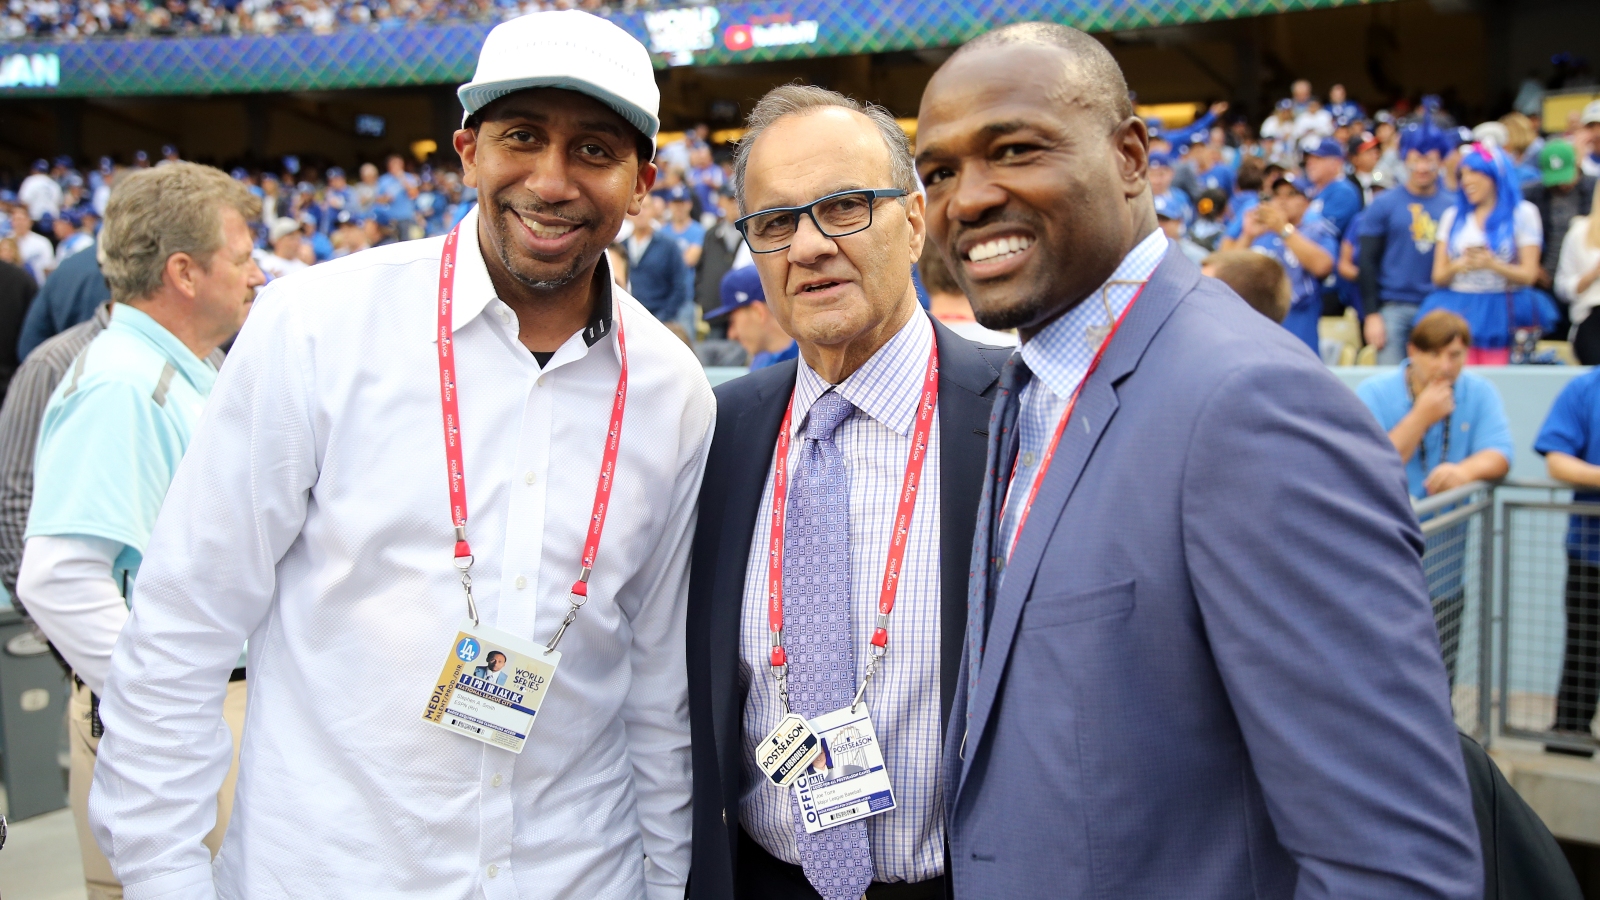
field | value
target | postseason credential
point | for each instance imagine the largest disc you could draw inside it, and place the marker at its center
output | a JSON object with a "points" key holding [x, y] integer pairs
{"points": [[491, 686], [847, 780]]}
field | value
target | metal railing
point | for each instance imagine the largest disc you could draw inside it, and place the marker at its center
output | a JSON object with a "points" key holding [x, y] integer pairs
{"points": [[1549, 614], [1513, 570], [1458, 527]]}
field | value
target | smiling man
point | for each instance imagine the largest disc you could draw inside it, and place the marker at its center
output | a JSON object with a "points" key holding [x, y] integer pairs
{"points": [[1200, 658], [447, 455], [858, 465]]}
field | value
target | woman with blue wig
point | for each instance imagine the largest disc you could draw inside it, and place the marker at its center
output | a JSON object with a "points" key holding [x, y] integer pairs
{"points": [[1489, 258]]}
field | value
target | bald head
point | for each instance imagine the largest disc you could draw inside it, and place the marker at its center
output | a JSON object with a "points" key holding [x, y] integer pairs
{"points": [[1035, 169], [1088, 67]]}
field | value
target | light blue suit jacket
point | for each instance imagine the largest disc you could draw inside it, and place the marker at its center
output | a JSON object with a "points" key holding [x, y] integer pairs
{"points": [[1211, 669]]}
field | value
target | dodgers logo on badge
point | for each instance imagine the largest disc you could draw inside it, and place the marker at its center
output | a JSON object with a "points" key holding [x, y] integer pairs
{"points": [[467, 650]]}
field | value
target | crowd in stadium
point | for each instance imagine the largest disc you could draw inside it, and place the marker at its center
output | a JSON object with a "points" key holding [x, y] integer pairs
{"points": [[1347, 202], [70, 19]]}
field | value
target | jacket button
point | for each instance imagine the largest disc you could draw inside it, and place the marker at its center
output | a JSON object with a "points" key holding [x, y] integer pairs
{"points": [[724, 816]]}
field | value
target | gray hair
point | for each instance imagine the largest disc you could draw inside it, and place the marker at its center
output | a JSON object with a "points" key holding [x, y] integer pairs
{"points": [[804, 99], [154, 213]]}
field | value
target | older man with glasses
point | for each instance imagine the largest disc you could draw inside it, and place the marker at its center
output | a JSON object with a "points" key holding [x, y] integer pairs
{"points": [[828, 584]]}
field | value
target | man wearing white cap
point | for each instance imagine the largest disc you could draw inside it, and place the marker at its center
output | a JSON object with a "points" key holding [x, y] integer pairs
{"points": [[284, 256], [1589, 125], [418, 457]]}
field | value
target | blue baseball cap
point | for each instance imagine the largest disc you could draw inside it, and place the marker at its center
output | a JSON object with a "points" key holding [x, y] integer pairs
{"points": [[40, 165], [1168, 207], [64, 162], [740, 288], [1286, 103], [140, 156], [1164, 160], [73, 217], [676, 194], [335, 172], [1325, 147], [1300, 183]]}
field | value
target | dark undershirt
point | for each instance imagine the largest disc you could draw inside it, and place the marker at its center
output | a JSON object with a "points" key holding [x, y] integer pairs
{"points": [[543, 358]]}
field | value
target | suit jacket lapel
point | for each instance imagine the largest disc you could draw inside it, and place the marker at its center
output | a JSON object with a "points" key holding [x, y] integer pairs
{"points": [[964, 377], [757, 433], [1097, 405]]}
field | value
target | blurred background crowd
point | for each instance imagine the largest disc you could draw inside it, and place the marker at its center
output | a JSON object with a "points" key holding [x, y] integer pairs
{"points": [[1348, 202]]}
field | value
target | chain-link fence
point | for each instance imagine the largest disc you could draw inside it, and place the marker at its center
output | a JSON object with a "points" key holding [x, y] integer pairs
{"points": [[1459, 564], [1550, 621]]}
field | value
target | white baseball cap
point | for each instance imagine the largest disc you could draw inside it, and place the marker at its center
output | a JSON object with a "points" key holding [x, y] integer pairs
{"points": [[572, 50], [1591, 113], [281, 228]]}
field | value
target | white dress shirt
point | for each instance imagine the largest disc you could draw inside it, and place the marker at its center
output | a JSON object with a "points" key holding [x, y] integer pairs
{"points": [[908, 841], [311, 516]]}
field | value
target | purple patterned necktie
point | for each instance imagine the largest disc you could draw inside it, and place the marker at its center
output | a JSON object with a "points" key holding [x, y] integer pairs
{"points": [[816, 630]]}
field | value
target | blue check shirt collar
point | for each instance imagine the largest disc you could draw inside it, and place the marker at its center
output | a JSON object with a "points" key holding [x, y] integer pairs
{"points": [[887, 387], [1059, 355]]}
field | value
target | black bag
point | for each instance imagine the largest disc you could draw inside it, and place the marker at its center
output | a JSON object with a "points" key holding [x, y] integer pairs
{"points": [[1521, 859]]}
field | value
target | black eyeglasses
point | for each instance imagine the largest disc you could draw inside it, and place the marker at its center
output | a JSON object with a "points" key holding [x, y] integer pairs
{"points": [[835, 215]]}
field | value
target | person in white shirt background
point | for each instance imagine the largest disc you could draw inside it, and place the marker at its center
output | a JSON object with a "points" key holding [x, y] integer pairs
{"points": [[1577, 281], [40, 192], [284, 257], [324, 514], [38, 257]]}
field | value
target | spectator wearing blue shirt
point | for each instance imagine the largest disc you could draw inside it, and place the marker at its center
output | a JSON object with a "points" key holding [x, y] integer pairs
{"points": [[1283, 228], [1450, 428], [1570, 444], [1397, 234], [397, 191], [1248, 181], [1340, 107], [1210, 172], [1448, 425], [1345, 270], [655, 267], [690, 236], [1333, 197], [750, 321], [1162, 189]]}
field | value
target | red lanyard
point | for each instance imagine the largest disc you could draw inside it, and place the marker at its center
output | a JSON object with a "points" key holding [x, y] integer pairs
{"points": [[456, 467], [1061, 428], [902, 518]]}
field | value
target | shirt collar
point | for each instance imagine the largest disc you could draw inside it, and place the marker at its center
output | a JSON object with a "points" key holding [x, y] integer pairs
{"points": [[195, 370], [474, 291], [1068, 337], [887, 387]]}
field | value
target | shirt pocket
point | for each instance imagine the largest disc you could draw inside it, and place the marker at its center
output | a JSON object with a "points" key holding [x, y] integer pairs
{"points": [[1046, 611]]}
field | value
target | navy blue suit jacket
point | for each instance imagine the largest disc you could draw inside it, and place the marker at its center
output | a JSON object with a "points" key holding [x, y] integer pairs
{"points": [[749, 412], [1212, 669]]}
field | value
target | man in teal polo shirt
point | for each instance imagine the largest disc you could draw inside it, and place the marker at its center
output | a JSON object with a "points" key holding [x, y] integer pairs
{"points": [[1450, 429], [177, 250]]}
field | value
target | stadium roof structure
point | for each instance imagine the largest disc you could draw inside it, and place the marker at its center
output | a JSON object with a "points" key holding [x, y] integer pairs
{"points": [[703, 34]]}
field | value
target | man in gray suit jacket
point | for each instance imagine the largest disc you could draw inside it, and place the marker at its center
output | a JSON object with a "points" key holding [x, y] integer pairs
{"points": [[1200, 658]]}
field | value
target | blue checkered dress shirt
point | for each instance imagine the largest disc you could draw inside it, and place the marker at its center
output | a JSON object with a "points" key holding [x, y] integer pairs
{"points": [[1059, 357], [907, 842]]}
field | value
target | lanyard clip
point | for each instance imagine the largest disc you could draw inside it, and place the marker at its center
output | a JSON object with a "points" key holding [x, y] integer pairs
{"points": [[464, 560], [577, 598]]}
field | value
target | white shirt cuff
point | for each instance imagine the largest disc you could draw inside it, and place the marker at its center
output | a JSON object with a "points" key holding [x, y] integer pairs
{"points": [[193, 883]]}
